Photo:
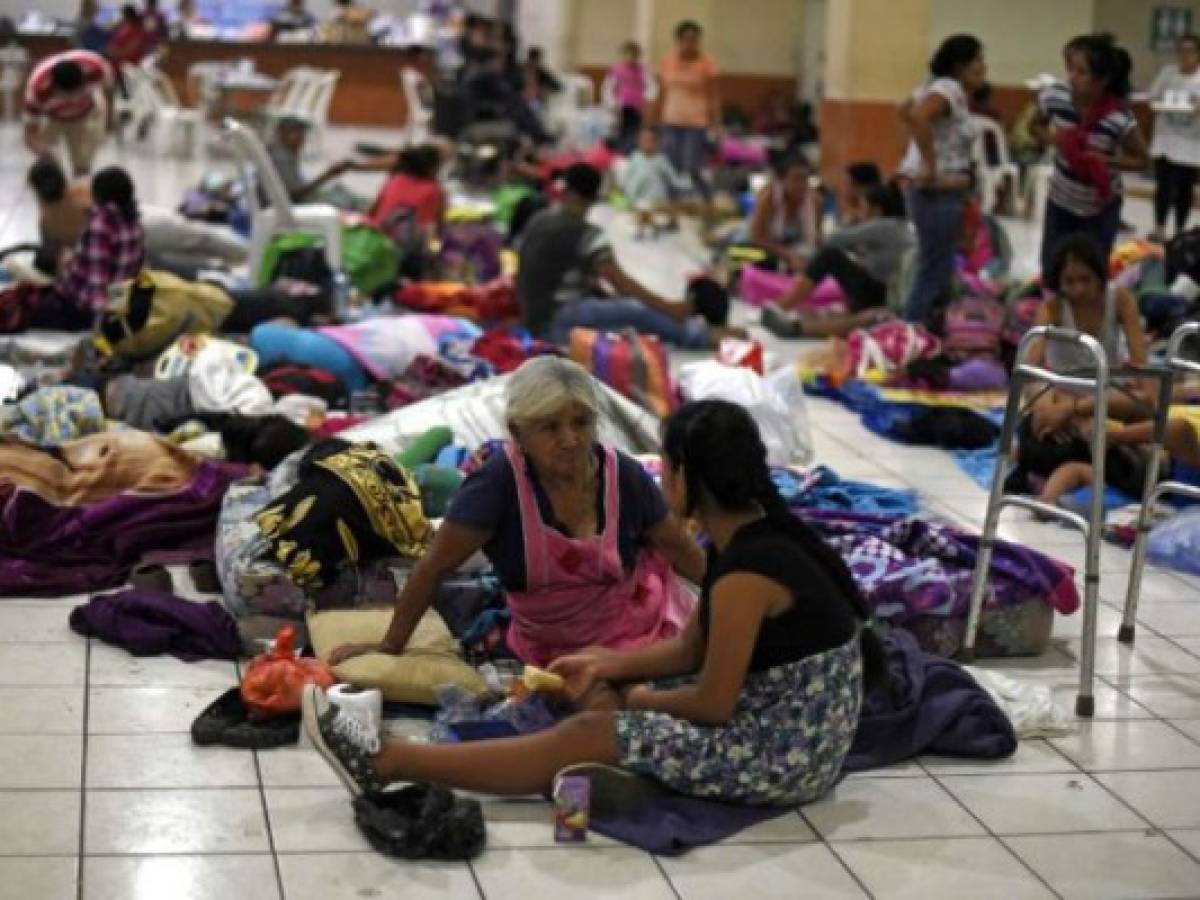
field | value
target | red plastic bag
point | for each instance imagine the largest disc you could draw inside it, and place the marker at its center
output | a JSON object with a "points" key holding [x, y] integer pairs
{"points": [[273, 681]]}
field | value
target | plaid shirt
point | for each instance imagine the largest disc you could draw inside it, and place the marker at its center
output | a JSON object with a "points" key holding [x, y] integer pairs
{"points": [[109, 250]]}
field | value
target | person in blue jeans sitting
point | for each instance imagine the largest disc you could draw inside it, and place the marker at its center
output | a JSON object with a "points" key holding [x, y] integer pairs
{"points": [[562, 261]]}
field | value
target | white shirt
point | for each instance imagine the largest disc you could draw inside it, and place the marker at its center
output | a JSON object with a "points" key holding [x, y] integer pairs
{"points": [[1177, 135], [952, 134]]}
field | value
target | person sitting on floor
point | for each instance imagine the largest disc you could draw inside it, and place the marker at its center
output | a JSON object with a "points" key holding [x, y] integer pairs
{"points": [[862, 259], [861, 177], [786, 221], [1055, 433], [650, 183], [562, 256], [413, 186], [170, 239], [112, 248], [577, 532], [756, 701], [285, 149]]}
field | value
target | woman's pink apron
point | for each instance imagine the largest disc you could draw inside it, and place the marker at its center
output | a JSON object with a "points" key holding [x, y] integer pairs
{"points": [[576, 592]]}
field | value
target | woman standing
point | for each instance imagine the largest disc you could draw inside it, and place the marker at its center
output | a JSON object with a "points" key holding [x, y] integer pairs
{"points": [[1095, 136], [1176, 144], [690, 108], [938, 165]]}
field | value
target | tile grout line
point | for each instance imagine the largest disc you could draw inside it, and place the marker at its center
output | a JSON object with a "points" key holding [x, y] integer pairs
{"points": [[991, 834], [667, 878], [828, 845], [83, 773]]}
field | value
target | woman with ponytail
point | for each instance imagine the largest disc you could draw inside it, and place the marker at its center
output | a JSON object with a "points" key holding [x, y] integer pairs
{"points": [[1088, 122], [112, 248], [756, 701]]}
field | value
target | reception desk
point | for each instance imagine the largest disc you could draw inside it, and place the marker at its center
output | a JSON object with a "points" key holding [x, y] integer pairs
{"points": [[369, 92]]}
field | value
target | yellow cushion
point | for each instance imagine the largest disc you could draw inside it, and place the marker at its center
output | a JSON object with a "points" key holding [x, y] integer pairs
{"points": [[432, 657]]}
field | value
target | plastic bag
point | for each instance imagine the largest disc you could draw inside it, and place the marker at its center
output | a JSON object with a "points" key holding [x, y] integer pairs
{"points": [[776, 404], [1176, 542], [274, 680]]}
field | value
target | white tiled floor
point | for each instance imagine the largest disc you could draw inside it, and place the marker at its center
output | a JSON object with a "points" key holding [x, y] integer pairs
{"points": [[102, 794]]}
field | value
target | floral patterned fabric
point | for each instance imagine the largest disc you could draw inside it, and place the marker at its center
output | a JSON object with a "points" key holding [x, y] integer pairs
{"points": [[784, 744]]}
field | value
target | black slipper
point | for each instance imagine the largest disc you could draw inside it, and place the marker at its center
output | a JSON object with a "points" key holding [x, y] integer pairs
{"points": [[152, 577], [204, 576], [226, 722]]}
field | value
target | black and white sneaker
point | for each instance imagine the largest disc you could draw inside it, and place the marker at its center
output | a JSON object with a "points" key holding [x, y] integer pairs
{"points": [[345, 741]]}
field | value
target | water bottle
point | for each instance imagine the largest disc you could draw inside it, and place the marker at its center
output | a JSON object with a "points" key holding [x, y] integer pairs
{"points": [[341, 296]]}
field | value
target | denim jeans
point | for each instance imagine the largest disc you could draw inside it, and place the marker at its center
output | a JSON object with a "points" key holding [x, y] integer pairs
{"points": [[1059, 223], [614, 314], [938, 218], [687, 149]]}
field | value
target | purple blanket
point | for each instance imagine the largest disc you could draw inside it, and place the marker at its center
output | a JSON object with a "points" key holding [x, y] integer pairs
{"points": [[48, 550], [150, 623], [909, 567], [929, 705]]}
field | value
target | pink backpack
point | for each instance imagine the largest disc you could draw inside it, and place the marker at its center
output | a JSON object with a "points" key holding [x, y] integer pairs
{"points": [[973, 326]]}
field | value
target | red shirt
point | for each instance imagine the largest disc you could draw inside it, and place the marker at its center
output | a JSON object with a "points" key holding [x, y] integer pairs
{"points": [[425, 198], [129, 43], [42, 98]]}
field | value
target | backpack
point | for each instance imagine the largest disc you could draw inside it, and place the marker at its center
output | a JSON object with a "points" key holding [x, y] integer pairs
{"points": [[1019, 315], [370, 259], [297, 255], [146, 315], [973, 326]]}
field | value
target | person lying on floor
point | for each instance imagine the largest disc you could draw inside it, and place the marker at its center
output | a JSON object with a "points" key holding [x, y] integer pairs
{"points": [[756, 701], [110, 249], [1129, 454], [862, 258], [577, 532], [561, 260], [170, 238]]}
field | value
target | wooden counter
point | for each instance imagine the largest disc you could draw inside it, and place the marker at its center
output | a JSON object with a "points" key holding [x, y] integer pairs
{"points": [[368, 93]]}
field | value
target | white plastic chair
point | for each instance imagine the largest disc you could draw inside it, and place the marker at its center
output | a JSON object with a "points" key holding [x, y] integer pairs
{"points": [[309, 99], [137, 107], [574, 114], [14, 64], [993, 176], [417, 90], [288, 97], [1037, 188], [177, 125], [281, 215]]}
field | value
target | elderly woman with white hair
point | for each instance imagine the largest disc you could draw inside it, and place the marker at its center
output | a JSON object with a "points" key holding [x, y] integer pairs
{"points": [[578, 533]]}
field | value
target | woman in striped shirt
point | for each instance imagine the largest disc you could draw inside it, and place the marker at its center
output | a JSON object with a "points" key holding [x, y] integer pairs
{"points": [[1095, 136]]}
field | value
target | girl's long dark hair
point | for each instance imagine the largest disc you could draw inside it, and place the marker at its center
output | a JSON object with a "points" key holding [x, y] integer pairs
{"points": [[113, 186], [723, 458]]}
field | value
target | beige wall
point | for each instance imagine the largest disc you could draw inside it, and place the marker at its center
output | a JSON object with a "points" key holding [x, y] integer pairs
{"points": [[601, 27], [759, 36], [1129, 21], [865, 61], [1021, 37]]}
